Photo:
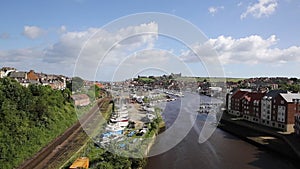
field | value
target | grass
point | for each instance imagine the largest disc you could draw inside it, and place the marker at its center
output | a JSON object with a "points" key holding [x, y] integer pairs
{"points": [[146, 80], [209, 79]]}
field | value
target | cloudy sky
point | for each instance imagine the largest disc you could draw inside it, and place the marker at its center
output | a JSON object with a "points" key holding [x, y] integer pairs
{"points": [[246, 38]]}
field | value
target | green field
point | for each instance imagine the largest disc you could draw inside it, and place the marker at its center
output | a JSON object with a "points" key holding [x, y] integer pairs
{"points": [[209, 79]]}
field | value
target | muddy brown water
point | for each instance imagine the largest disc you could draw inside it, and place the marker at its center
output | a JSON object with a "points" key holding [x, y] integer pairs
{"points": [[221, 151]]}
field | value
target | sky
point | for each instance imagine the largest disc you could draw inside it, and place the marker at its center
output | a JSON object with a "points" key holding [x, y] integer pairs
{"points": [[117, 39]]}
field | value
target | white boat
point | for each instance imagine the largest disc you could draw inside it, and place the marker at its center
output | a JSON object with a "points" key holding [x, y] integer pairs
{"points": [[150, 116], [114, 127], [119, 119], [122, 112], [123, 124]]}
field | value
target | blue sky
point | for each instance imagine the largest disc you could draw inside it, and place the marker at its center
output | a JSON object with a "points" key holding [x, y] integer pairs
{"points": [[251, 37]]}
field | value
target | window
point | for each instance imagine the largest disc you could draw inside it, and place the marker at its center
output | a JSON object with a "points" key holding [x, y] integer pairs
{"points": [[282, 101]]}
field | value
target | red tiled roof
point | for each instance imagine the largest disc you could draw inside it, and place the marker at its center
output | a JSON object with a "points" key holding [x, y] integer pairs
{"points": [[32, 76], [100, 85], [239, 94], [254, 96]]}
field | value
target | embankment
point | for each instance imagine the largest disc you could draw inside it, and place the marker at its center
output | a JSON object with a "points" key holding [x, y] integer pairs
{"points": [[260, 137]]}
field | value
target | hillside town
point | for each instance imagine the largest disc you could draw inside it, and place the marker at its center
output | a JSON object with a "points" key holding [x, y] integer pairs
{"points": [[272, 102], [57, 82]]}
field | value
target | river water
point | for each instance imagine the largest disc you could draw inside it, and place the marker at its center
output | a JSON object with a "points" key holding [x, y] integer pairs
{"points": [[221, 151]]}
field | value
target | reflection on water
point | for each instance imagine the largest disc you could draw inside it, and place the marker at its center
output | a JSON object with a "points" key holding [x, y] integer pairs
{"points": [[220, 151]]}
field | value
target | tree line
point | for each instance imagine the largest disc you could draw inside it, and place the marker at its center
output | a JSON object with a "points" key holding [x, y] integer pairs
{"points": [[30, 117]]}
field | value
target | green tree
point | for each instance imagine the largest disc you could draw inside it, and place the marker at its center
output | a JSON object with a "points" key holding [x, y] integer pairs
{"points": [[76, 84], [29, 119]]}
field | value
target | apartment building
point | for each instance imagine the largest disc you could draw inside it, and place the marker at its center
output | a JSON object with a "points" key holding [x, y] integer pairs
{"points": [[268, 112], [297, 124], [251, 106], [286, 106], [236, 102], [276, 108]]}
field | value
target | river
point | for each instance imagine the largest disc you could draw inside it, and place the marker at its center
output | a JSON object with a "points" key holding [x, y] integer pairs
{"points": [[221, 151]]}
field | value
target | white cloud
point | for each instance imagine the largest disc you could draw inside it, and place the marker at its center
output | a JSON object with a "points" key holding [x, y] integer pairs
{"points": [[17, 55], [23, 59], [249, 50], [33, 32], [62, 29], [149, 60], [61, 56], [96, 42], [263, 8], [213, 10]]}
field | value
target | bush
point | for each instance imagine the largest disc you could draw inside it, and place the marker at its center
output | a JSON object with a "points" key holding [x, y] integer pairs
{"points": [[30, 118]]}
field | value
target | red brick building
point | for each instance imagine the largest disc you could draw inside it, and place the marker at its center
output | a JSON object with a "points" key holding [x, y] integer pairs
{"points": [[32, 76], [275, 109], [236, 103], [285, 107], [251, 106]]}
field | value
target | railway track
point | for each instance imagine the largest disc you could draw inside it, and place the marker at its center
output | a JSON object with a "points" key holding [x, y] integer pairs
{"points": [[67, 143]]}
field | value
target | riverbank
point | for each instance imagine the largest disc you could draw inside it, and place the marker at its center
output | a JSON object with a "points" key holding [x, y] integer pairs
{"points": [[160, 127], [100, 157], [263, 137]]}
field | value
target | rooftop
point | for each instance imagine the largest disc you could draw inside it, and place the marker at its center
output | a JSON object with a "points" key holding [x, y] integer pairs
{"points": [[79, 96], [82, 162], [239, 94], [254, 96], [289, 97], [274, 93]]}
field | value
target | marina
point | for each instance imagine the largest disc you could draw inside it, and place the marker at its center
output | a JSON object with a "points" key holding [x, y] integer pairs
{"points": [[131, 120]]}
